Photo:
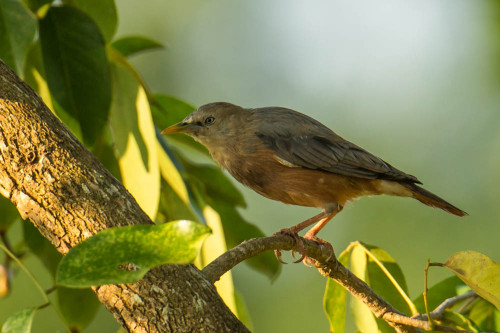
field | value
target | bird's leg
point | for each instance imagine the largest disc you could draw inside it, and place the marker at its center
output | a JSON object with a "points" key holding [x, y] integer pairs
{"points": [[311, 235], [293, 231], [323, 219]]}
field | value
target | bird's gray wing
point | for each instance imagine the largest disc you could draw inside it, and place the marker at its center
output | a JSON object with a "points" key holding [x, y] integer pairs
{"points": [[312, 145]]}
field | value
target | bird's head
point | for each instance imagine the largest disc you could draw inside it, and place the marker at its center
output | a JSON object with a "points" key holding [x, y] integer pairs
{"points": [[212, 124]]}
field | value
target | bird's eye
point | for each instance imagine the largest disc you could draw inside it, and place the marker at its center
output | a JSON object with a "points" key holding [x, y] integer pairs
{"points": [[209, 120]]}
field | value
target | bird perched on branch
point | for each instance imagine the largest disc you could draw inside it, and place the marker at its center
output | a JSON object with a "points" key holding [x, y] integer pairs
{"points": [[287, 156]]}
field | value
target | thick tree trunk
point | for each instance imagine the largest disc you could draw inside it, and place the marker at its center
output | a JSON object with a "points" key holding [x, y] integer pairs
{"points": [[69, 196]]}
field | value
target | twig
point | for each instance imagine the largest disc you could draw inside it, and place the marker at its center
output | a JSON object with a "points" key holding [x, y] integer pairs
{"points": [[449, 302], [438, 312], [426, 290], [328, 266]]}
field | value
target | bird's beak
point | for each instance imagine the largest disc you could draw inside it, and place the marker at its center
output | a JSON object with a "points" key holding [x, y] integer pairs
{"points": [[177, 128]]}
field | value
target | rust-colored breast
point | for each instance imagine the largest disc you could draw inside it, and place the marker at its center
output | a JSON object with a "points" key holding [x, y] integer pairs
{"points": [[265, 174]]}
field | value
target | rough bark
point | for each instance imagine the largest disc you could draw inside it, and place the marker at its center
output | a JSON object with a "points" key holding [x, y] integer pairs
{"points": [[69, 196]]}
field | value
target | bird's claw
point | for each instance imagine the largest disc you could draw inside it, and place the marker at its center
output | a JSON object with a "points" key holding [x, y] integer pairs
{"points": [[311, 262], [298, 242], [277, 253], [302, 250]]}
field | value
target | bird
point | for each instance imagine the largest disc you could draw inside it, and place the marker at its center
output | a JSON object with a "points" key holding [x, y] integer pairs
{"points": [[288, 156]]}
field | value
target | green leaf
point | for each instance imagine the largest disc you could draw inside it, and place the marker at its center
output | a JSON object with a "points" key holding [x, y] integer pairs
{"points": [[215, 184], [78, 307], [100, 259], [479, 272], [103, 12], [172, 207], [364, 319], [17, 31], [438, 293], [41, 247], [380, 282], [335, 298], [483, 314], [385, 277], [104, 150], [170, 110], [459, 321], [131, 45], [77, 69], [8, 214], [34, 75], [135, 141], [19, 322]]}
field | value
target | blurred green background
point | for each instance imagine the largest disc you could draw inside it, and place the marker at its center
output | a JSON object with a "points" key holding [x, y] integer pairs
{"points": [[416, 83]]}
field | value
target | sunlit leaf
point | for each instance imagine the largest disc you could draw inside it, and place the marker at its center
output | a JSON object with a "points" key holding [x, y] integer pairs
{"points": [[171, 175], [131, 45], [4, 282], [438, 293], [170, 110], [17, 31], [335, 298], [214, 246], [35, 5], [78, 307], [135, 140], [77, 68], [364, 319], [103, 12], [124, 255], [19, 322], [479, 272]]}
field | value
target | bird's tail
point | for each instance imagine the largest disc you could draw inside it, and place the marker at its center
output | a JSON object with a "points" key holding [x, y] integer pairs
{"points": [[430, 199]]}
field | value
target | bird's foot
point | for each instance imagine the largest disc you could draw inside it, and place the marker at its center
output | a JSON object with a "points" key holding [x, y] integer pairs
{"points": [[298, 242], [311, 262]]}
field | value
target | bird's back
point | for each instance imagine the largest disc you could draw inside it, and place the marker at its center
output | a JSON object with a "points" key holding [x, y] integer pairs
{"points": [[304, 142]]}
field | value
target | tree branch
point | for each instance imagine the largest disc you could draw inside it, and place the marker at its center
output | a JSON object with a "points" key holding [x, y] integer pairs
{"points": [[69, 196], [327, 266]]}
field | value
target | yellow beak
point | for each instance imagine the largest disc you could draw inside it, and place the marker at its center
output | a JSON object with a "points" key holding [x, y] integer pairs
{"points": [[177, 128]]}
